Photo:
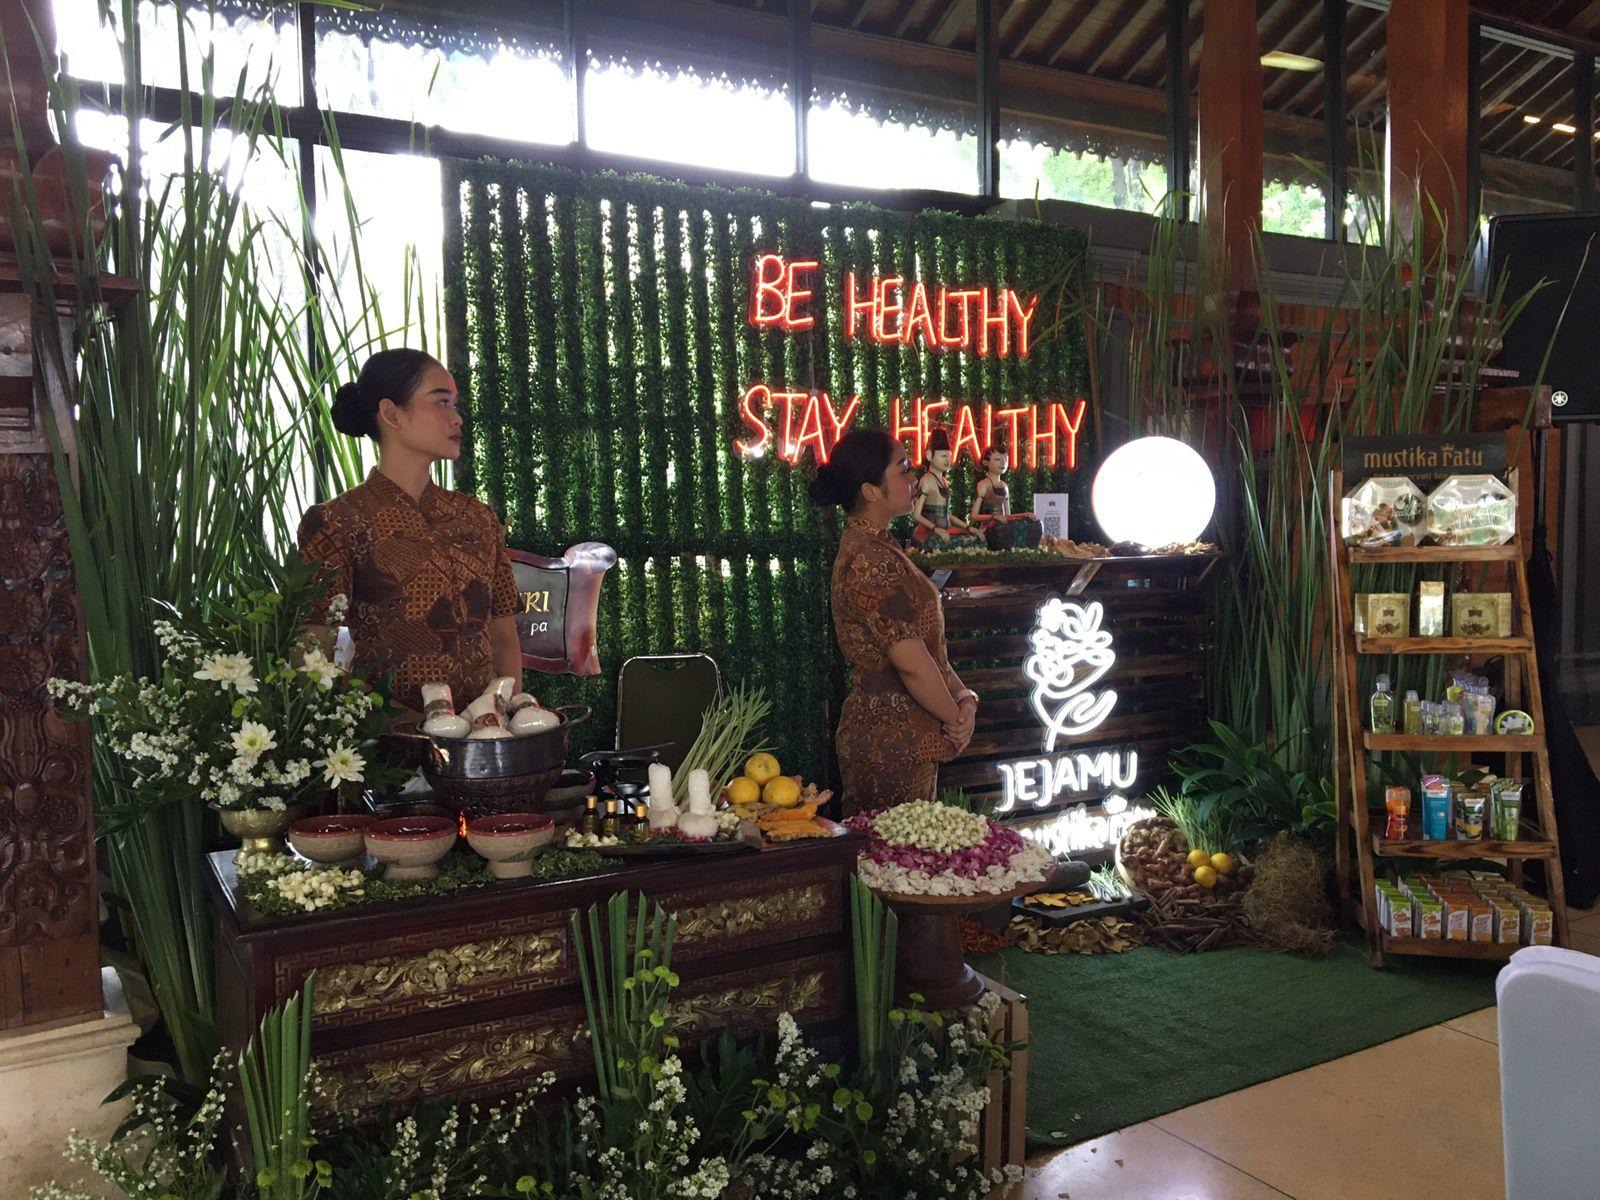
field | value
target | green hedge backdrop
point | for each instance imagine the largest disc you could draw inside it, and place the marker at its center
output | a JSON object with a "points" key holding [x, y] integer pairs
{"points": [[597, 327]]}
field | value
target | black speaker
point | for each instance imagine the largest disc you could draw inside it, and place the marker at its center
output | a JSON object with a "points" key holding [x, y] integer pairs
{"points": [[1564, 249]]}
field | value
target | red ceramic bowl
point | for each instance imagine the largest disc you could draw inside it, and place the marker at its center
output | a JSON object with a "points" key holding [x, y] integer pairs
{"points": [[509, 824], [410, 829], [409, 846], [509, 841], [334, 839]]}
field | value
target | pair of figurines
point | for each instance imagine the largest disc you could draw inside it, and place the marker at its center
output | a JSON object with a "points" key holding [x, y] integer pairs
{"points": [[990, 521]]}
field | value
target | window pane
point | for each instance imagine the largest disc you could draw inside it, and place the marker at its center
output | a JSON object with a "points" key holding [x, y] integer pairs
{"points": [[876, 125], [1294, 156], [1526, 127], [267, 179], [380, 230], [681, 115], [1107, 148], [248, 36], [502, 81], [871, 147]]}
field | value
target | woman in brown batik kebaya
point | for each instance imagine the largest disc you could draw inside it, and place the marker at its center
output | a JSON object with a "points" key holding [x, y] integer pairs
{"points": [[431, 594], [907, 711]]}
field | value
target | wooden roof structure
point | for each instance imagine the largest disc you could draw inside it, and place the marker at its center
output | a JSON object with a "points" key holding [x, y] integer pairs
{"points": [[1122, 42]]}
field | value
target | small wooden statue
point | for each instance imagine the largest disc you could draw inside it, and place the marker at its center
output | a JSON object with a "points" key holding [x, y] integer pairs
{"points": [[938, 527], [991, 507]]}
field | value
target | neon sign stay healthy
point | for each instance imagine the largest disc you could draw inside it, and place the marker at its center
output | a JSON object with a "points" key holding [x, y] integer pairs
{"points": [[987, 322], [1069, 653]]}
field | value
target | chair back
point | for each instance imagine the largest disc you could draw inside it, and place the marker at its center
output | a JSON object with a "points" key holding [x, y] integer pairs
{"points": [[661, 699]]}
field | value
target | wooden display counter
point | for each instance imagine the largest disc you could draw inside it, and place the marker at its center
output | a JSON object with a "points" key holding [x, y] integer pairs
{"points": [[476, 994], [1157, 611]]}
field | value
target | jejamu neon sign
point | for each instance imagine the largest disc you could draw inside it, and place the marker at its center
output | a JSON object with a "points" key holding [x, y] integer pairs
{"points": [[891, 310], [1069, 653]]}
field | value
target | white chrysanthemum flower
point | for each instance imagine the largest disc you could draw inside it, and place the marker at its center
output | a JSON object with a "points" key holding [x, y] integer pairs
{"points": [[232, 671], [319, 667], [252, 740], [342, 765], [338, 607]]}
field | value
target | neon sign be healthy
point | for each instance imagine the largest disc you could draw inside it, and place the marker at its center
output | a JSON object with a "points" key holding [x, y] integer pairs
{"points": [[1069, 652], [987, 322]]}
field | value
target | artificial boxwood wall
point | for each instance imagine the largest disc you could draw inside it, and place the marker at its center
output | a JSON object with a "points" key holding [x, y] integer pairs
{"points": [[597, 327]]}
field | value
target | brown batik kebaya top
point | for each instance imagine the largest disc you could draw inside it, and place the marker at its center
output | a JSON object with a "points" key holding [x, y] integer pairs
{"points": [[424, 577], [880, 598]]}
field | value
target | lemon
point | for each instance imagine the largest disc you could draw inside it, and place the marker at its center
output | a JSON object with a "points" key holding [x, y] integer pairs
{"points": [[1206, 877], [783, 791], [761, 768], [744, 790], [1223, 864], [1198, 858]]}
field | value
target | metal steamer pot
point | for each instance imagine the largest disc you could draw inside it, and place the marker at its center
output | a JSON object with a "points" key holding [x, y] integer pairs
{"points": [[485, 776], [538, 753]]}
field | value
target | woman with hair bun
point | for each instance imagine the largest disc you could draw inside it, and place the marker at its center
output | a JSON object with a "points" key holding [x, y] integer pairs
{"points": [[430, 590], [907, 710]]}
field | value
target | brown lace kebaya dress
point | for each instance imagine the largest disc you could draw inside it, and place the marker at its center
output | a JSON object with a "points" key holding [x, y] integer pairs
{"points": [[424, 578], [889, 746]]}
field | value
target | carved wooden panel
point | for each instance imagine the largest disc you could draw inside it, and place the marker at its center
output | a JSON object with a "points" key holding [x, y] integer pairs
{"points": [[484, 1059], [500, 1057], [754, 912], [47, 872], [430, 968]]}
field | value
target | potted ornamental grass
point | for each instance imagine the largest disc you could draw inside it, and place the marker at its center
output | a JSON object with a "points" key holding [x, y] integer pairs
{"points": [[249, 714]]}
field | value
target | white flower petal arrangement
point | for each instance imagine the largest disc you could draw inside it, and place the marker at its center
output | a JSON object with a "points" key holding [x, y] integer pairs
{"points": [[923, 848], [247, 712]]}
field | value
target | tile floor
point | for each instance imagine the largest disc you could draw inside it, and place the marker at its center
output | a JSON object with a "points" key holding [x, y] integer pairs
{"points": [[1418, 1116]]}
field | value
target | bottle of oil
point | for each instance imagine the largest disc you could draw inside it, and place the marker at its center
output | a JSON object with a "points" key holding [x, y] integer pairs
{"points": [[590, 822], [1413, 710], [1382, 706], [611, 823], [639, 830]]}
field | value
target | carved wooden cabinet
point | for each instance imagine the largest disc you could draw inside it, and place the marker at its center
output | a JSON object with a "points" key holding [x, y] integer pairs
{"points": [[476, 994]]}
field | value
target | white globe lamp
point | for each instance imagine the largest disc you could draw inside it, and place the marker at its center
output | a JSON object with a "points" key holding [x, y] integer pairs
{"points": [[1155, 491]]}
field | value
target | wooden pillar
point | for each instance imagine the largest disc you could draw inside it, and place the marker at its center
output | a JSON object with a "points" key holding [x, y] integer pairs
{"points": [[1230, 141], [1429, 44], [49, 910]]}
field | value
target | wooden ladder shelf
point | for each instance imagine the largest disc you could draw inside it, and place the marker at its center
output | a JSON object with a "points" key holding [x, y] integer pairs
{"points": [[1357, 845]]}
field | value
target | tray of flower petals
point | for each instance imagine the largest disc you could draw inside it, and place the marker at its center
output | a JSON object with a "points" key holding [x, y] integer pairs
{"points": [[930, 850]]}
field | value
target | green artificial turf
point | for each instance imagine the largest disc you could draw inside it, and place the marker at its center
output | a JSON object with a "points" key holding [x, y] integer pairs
{"points": [[1119, 1038]]}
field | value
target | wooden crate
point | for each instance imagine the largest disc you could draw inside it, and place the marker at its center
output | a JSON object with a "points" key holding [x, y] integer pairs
{"points": [[1003, 1125]]}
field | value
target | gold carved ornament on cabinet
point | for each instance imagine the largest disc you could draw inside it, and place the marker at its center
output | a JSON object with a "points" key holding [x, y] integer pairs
{"points": [[434, 978]]}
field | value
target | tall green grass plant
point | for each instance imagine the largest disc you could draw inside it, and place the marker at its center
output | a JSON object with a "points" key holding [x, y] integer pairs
{"points": [[201, 432]]}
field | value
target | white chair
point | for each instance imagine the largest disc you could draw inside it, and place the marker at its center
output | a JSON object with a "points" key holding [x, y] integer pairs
{"points": [[1549, 1020]]}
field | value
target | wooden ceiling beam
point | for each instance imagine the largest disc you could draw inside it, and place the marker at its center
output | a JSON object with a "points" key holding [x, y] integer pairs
{"points": [[1019, 23], [1513, 137], [1069, 30], [945, 27], [1154, 59], [904, 19], [1353, 49], [1539, 29], [1502, 128], [1309, 26], [1135, 34], [1266, 22], [1377, 90], [861, 12], [1100, 42]]}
